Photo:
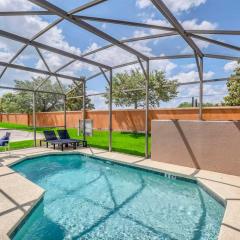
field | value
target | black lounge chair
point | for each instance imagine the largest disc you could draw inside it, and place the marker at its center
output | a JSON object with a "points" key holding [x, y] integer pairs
{"points": [[64, 135], [50, 137]]}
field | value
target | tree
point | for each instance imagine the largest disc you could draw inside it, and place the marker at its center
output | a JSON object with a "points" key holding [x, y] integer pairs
{"points": [[208, 104], [45, 102], [77, 103], [185, 105], [9, 103], [233, 85], [22, 101], [160, 89], [188, 104]]}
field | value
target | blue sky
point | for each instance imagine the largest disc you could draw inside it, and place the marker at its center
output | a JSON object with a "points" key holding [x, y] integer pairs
{"points": [[193, 14]]}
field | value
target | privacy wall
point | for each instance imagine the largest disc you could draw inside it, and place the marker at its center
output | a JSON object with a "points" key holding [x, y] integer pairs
{"points": [[208, 145], [123, 120]]}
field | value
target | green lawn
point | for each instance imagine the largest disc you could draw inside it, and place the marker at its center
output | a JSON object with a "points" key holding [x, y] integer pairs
{"points": [[132, 143], [20, 127]]}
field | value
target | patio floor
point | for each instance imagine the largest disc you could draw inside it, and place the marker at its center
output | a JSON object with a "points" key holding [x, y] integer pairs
{"points": [[16, 201]]}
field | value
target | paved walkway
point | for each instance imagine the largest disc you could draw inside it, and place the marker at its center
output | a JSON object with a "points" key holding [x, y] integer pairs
{"points": [[18, 195], [19, 135]]}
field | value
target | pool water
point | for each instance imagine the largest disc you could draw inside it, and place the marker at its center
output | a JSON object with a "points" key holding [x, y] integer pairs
{"points": [[87, 198]]}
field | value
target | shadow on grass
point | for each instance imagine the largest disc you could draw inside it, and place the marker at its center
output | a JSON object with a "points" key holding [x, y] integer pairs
{"points": [[121, 150], [129, 151], [133, 134]]}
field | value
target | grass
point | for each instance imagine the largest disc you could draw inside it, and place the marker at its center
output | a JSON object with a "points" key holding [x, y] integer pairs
{"points": [[20, 127], [131, 143], [19, 145]]}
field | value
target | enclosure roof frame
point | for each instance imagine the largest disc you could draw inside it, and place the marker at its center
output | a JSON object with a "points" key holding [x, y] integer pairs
{"points": [[75, 17]]}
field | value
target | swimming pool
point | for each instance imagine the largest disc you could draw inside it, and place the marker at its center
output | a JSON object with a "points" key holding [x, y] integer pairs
{"points": [[89, 198]]}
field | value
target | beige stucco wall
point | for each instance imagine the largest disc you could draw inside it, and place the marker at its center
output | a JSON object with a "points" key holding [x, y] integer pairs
{"points": [[209, 145]]}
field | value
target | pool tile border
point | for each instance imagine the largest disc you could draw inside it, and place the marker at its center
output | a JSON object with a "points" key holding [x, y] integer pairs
{"points": [[225, 188]]}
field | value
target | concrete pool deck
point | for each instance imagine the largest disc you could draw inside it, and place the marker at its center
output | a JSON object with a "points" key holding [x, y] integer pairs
{"points": [[19, 195]]}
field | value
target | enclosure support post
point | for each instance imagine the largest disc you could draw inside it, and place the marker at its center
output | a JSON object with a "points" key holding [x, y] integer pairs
{"points": [[84, 109], [34, 119], [147, 109], [110, 111], [65, 111], [201, 91], [199, 62]]}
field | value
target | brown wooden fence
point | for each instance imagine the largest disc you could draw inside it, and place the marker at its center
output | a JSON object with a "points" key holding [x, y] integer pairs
{"points": [[123, 120]]}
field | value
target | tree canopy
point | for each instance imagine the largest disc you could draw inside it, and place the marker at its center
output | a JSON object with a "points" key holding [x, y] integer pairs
{"points": [[188, 105], [233, 85], [77, 103], [22, 101], [160, 89], [185, 105]]}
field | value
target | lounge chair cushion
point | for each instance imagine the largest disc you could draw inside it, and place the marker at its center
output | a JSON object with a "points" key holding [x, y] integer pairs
{"points": [[63, 134], [50, 135]]}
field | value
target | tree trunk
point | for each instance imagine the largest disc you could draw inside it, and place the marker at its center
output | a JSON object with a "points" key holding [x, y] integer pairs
{"points": [[135, 105]]}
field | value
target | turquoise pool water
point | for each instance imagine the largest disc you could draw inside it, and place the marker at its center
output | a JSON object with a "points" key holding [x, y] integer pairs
{"points": [[88, 198]]}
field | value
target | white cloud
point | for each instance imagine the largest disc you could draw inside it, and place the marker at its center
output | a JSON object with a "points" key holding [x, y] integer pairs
{"points": [[4, 55], [21, 5], [114, 55], [163, 65], [143, 3], [98, 100], [158, 22], [201, 44], [183, 5], [160, 65], [55, 37], [104, 26], [191, 76], [177, 6], [190, 66], [28, 26], [230, 66], [54, 61], [210, 91], [194, 24]]}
